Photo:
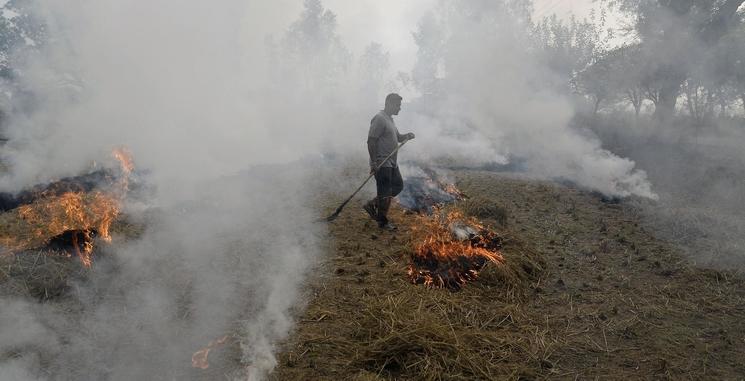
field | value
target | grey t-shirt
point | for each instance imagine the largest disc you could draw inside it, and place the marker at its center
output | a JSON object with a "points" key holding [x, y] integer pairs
{"points": [[384, 133]]}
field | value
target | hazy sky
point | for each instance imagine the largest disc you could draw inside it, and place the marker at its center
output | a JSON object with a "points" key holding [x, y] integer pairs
{"points": [[389, 22]]}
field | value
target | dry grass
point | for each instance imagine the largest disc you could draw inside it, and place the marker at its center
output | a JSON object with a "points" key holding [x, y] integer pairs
{"points": [[33, 225], [386, 328], [585, 292], [39, 274], [45, 273], [484, 209]]}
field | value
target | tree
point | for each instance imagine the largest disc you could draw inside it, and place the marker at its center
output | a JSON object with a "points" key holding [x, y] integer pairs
{"points": [[597, 82], [732, 48], [18, 30], [374, 69], [312, 48], [626, 74], [430, 38], [20, 34], [739, 81], [629, 76], [570, 48], [672, 31], [700, 99], [374, 64]]}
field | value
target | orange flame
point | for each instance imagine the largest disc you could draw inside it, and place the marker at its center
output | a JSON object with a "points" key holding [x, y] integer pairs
{"points": [[73, 211], [441, 258], [200, 358], [86, 213], [126, 164], [454, 191], [125, 160]]}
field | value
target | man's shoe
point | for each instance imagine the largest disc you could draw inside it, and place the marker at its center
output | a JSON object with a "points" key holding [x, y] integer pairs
{"points": [[371, 210], [388, 226]]}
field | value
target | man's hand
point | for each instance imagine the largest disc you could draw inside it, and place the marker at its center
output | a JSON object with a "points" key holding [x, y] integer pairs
{"points": [[372, 170], [409, 136]]}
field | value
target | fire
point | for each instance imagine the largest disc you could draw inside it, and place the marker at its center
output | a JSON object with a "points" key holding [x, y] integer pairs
{"points": [[451, 189], [84, 214], [450, 250], [126, 165], [200, 358], [125, 160], [73, 211]]}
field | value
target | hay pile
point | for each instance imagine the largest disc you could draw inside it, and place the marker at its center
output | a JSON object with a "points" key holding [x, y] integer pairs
{"points": [[34, 225], [432, 335], [371, 319], [48, 273]]}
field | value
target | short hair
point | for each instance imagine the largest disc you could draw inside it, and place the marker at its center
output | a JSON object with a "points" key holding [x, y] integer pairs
{"points": [[392, 97]]}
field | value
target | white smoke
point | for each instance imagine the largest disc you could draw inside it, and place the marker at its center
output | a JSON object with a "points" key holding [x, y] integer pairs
{"points": [[228, 240], [223, 130], [486, 76]]}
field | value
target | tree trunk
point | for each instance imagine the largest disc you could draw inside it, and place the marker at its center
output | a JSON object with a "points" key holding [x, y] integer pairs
{"points": [[665, 107], [722, 108], [636, 99], [709, 109], [653, 95], [691, 101]]}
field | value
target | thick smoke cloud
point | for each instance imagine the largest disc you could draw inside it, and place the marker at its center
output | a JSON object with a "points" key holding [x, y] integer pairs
{"points": [[228, 240], [228, 126], [686, 62], [490, 81]]}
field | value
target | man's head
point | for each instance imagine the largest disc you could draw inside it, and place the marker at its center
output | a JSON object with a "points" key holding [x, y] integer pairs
{"points": [[393, 104]]}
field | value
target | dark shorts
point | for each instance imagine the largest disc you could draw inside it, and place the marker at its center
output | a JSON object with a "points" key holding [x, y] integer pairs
{"points": [[389, 182]]}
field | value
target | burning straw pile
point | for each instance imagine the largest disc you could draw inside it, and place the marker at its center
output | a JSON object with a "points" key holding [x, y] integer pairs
{"points": [[69, 213], [450, 250], [374, 325]]}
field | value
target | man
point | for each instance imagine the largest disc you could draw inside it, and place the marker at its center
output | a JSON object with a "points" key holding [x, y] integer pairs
{"points": [[383, 139]]}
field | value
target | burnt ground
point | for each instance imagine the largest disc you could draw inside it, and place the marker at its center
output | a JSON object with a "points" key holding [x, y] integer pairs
{"points": [[589, 292]]}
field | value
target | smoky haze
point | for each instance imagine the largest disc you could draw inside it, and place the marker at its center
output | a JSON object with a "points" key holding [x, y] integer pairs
{"points": [[228, 238], [672, 99], [234, 118], [482, 79]]}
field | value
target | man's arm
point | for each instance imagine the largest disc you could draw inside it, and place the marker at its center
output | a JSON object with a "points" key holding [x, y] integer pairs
{"points": [[372, 147], [404, 137], [376, 129]]}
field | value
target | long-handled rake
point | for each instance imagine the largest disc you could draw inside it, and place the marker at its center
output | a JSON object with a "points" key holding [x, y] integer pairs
{"points": [[343, 204]]}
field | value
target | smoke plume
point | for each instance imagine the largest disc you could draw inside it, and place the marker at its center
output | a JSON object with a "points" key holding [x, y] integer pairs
{"points": [[228, 118]]}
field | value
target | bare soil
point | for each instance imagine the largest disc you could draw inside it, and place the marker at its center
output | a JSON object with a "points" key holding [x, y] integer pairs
{"points": [[587, 292]]}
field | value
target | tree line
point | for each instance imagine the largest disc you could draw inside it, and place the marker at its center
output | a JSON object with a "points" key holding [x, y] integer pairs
{"points": [[686, 55], [677, 55]]}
